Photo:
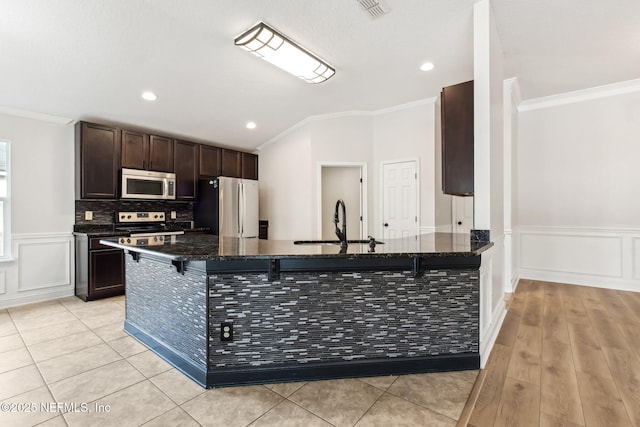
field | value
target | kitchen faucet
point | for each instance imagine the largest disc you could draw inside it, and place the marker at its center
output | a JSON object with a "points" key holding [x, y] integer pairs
{"points": [[342, 234]]}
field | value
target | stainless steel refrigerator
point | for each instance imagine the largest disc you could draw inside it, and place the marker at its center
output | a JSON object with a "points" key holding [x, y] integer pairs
{"points": [[229, 206]]}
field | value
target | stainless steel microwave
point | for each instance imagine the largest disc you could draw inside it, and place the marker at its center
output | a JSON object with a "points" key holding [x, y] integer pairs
{"points": [[141, 184]]}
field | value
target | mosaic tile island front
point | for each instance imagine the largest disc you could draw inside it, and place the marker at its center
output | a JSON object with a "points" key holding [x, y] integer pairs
{"points": [[229, 311]]}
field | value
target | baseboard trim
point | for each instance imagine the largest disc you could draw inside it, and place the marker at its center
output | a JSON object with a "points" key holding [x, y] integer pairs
{"points": [[30, 299]]}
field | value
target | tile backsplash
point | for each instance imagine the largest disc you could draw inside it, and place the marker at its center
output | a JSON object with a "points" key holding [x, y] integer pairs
{"points": [[104, 211]]}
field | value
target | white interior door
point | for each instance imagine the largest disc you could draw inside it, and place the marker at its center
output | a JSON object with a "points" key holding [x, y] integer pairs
{"points": [[399, 199], [342, 182], [462, 211]]}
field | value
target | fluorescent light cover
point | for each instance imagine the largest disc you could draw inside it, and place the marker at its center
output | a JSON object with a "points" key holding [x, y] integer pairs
{"points": [[268, 44], [427, 66], [149, 96], [251, 125]]}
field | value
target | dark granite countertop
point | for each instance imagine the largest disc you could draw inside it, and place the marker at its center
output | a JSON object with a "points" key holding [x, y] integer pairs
{"points": [[106, 230], [199, 247]]}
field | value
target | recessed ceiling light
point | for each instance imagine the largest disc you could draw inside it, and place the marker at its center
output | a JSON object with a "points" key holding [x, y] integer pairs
{"points": [[426, 66], [149, 96], [251, 125]]}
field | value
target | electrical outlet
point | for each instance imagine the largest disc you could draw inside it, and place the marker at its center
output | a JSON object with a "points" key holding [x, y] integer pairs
{"points": [[226, 331], [88, 215], [173, 215]]}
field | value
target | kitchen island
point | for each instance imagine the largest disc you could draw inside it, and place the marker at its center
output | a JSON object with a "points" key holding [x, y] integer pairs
{"points": [[228, 311]]}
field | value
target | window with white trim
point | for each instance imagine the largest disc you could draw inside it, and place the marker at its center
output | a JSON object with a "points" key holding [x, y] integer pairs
{"points": [[4, 200]]}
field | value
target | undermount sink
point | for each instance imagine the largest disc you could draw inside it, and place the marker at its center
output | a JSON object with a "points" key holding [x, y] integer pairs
{"points": [[332, 242]]}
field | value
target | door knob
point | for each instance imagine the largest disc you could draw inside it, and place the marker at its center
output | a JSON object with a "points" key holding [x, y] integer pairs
{"points": [[386, 224]]}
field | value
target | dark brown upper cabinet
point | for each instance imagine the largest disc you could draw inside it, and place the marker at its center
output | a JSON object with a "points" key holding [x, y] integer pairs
{"points": [[249, 166], [186, 170], [457, 139], [209, 161], [149, 152], [231, 163], [135, 150], [97, 161], [160, 154]]}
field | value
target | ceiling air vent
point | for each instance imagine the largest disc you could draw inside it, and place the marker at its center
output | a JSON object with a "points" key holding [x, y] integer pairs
{"points": [[373, 7]]}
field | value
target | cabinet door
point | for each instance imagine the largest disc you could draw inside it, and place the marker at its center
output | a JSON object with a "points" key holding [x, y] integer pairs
{"points": [[186, 169], [99, 160], [209, 161], [249, 166], [457, 139], [231, 163], [135, 150], [160, 154], [107, 271]]}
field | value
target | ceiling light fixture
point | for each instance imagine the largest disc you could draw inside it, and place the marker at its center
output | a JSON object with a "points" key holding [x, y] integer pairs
{"points": [[427, 66], [270, 45], [149, 96], [251, 125]]}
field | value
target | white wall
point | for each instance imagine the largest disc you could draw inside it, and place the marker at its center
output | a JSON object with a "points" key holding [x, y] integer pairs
{"points": [[335, 140], [42, 211], [285, 186], [578, 175], [403, 132], [443, 215], [408, 133]]}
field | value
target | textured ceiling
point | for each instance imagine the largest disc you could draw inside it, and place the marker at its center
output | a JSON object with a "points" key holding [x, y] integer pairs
{"points": [[91, 60]]}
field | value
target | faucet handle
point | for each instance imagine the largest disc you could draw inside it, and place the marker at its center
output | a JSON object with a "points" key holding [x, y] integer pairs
{"points": [[372, 244]]}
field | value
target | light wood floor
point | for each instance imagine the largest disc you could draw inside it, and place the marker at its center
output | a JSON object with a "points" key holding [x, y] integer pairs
{"points": [[565, 356]]}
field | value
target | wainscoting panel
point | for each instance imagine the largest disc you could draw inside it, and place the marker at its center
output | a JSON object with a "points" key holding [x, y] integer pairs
{"points": [[608, 258], [492, 307], [43, 269], [3, 282], [43, 264], [635, 249]]}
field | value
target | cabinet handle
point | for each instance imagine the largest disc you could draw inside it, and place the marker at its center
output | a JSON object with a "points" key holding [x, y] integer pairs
{"points": [[386, 224], [459, 222]]}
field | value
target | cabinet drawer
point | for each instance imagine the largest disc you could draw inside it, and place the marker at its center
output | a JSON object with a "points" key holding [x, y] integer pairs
{"points": [[95, 243]]}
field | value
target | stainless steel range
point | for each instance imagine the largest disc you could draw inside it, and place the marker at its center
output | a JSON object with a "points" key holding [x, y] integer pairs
{"points": [[145, 228]]}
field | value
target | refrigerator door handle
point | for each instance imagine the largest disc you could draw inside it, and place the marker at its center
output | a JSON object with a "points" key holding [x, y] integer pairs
{"points": [[241, 211], [238, 215]]}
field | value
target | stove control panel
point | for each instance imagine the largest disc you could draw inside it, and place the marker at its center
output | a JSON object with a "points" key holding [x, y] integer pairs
{"points": [[146, 241], [140, 217]]}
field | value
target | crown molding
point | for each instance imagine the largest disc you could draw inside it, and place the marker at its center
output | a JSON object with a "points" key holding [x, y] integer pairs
{"points": [[597, 92], [353, 113], [58, 120]]}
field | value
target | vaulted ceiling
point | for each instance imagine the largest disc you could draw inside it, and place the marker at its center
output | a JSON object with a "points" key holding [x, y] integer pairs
{"points": [[91, 60]]}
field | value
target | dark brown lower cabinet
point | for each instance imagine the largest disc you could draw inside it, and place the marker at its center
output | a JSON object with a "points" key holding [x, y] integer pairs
{"points": [[99, 269]]}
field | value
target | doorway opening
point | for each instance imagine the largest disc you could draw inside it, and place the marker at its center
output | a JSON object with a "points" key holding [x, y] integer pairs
{"points": [[342, 181]]}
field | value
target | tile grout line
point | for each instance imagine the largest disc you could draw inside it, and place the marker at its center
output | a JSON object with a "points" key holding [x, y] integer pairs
{"points": [[415, 403], [46, 384]]}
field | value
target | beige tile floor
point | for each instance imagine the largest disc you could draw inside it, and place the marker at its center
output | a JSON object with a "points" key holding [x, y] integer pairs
{"points": [[66, 352]]}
